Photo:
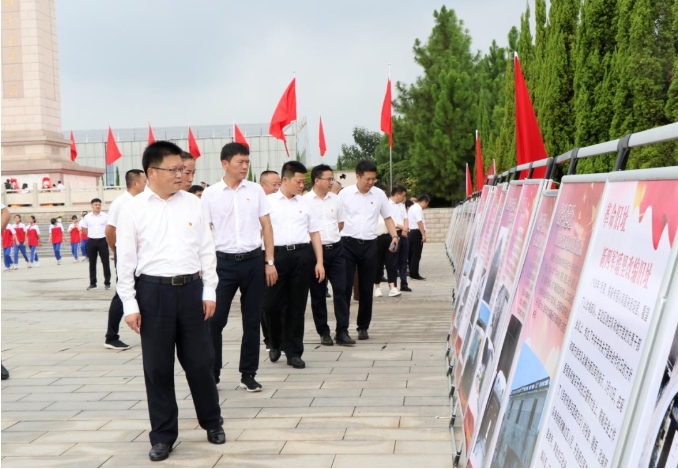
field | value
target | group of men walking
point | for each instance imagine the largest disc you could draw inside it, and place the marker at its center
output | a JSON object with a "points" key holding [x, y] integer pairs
{"points": [[180, 260]]}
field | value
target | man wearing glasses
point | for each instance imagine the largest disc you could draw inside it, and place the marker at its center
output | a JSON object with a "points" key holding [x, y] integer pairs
{"points": [[330, 212], [163, 245], [239, 211], [363, 203]]}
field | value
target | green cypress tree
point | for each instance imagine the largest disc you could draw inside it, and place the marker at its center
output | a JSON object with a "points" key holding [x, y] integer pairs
{"points": [[505, 146], [526, 52], [444, 108], [645, 37], [539, 51], [557, 78], [593, 80]]}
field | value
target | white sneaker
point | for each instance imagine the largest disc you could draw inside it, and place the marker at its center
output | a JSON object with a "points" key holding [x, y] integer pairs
{"points": [[377, 293], [58, 262], [37, 264], [394, 292]]}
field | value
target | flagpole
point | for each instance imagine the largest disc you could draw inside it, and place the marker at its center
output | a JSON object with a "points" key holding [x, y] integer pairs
{"points": [[390, 149], [296, 127]]}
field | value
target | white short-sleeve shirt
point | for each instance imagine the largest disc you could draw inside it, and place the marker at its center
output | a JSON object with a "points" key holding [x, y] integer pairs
{"points": [[361, 212], [330, 212], [293, 219]]}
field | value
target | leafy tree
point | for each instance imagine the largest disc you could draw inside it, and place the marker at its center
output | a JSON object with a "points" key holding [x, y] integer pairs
{"points": [[117, 176], [366, 142], [506, 142], [526, 52]]}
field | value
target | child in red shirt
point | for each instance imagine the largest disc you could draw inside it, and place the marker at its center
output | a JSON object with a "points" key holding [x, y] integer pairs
{"points": [[74, 231], [56, 237], [33, 235]]}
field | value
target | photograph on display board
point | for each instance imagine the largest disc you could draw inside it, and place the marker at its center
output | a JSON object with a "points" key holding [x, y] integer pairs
{"points": [[544, 329], [496, 403], [613, 307]]}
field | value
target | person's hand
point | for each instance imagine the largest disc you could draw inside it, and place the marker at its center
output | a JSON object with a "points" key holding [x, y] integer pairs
{"points": [[394, 241], [405, 233], [271, 275], [208, 307], [134, 321], [423, 238], [320, 272]]}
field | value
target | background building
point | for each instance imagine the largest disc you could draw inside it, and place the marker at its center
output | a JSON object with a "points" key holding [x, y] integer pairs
{"points": [[266, 152]]}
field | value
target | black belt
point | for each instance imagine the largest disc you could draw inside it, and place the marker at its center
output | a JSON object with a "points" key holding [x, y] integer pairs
{"points": [[177, 281], [240, 257], [359, 241], [292, 247], [331, 246]]}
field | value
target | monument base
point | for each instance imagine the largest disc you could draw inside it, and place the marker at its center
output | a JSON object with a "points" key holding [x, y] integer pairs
{"points": [[34, 171]]}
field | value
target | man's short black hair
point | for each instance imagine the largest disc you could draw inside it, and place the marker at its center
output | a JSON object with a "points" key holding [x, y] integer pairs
{"points": [[380, 186], [131, 176], [317, 172], [365, 166], [424, 198], [74, 217], [408, 203], [291, 168], [196, 188], [53, 221], [398, 190], [155, 153], [186, 156], [95, 200], [266, 173], [232, 149]]}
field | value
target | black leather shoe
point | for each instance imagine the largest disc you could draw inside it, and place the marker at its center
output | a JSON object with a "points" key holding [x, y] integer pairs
{"points": [[159, 452], [296, 362], [405, 289], [327, 295], [344, 339], [362, 334], [221, 420], [216, 437], [5, 373], [418, 277], [326, 339], [274, 355]]}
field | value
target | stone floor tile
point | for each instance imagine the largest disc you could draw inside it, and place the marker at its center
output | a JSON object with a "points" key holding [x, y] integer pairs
{"points": [[96, 405], [21, 437], [427, 400], [9, 397], [61, 461], [392, 460], [292, 434], [349, 422], [329, 393], [432, 434], [405, 392], [378, 384], [56, 426], [346, 370], [338, 447], [306, 412], [37, 415], [145, 424], [67, 397], [177, 459], [407, 421], [426, 447], [278, 460], [88, 436], [242, 403], [357, 401], [29, 450], [404, 410]]}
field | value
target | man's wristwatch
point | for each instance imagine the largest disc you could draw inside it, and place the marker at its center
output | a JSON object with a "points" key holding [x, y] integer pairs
{"points": [[271, 263]]}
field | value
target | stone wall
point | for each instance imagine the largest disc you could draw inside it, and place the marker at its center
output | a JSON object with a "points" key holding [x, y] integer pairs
{"points": [[437, 223]]}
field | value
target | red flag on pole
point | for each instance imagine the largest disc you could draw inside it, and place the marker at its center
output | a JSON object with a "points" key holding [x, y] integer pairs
{"points": [[151, 138], [112, 152], [284, 113], [469, 183], [529, 142], [239, 137], [386, 122], [480, 177], [193, 145], [321, 138], [74, 149]]}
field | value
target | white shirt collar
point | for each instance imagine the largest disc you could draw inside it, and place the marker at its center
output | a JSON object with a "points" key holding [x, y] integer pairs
{"points": [[223, 186]]}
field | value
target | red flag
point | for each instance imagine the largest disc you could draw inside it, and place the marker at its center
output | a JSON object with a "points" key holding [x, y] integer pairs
{"points": [[74, 149], [151, 138], [193, 145], [480, 178], [321, 138], [112, 152], [529, 143], [492, 170], [386, 123], [285, 113], [239, 137], [469, 184]]}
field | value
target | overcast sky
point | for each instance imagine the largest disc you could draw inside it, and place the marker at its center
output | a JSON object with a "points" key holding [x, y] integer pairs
{"points": [[170, 62]]}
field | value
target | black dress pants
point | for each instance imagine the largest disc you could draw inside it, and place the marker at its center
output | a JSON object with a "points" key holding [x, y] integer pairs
{"points": [[401, 259], [250, 277], [115, 311], [172, 316], [416, 246], [98, 247], [285, 302], [384, 259], [363, 255], [334, 262]]}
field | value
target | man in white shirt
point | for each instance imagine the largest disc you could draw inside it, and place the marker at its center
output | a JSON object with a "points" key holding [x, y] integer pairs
{"points": [[94, 226], [399, 259], [417, 234], [239, 211], [189, 173], [270, 181], [363, 203], [330, 212], [295, 229], [135, 181], [167, 281]]}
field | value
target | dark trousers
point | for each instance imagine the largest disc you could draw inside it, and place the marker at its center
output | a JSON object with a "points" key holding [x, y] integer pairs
{"points": [[115, 311], [363, 255], [173, 317], [98, 246], [335, 271], [285, 302], [416, 246], [249, 276], [384, 258], [401, 259]]}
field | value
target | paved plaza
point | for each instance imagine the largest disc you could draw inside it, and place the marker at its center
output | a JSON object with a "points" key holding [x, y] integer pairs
{"points": [[72, 403]]}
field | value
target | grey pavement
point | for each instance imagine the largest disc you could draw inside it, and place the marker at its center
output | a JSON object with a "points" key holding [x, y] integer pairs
{"points": [[72, 403]]}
